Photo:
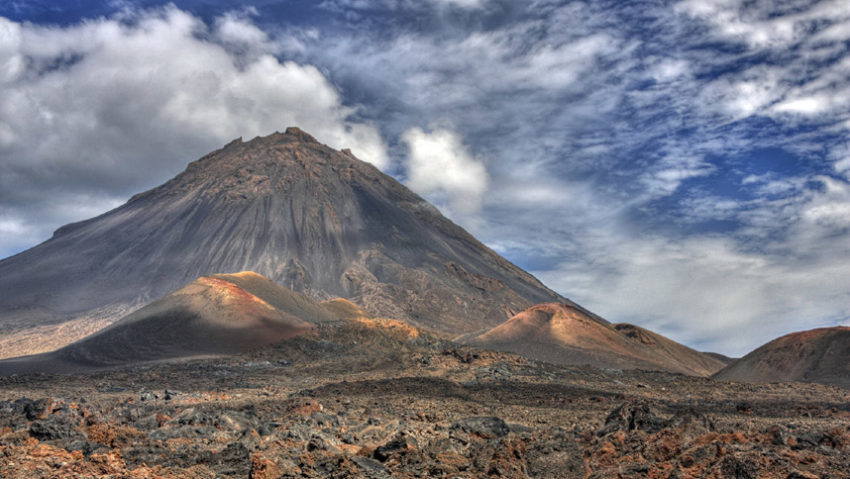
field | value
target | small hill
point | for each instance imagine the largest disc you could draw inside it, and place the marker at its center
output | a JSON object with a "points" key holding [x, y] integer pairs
{"points": [[668, 354], [721, 357], [818, 356], [344, 309], [213, 315], [561, 334]]}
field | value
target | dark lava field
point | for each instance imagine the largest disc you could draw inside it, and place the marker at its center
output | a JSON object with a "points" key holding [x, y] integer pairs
{"points": [[377, 398]]}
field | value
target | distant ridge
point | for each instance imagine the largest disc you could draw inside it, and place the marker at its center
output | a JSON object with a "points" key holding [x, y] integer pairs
{"points": [[562, 334], [316, 220]]}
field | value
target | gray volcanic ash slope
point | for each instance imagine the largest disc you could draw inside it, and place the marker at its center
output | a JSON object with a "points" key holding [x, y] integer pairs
{"points": [[213, 315], [311, 218], [818, 355]]}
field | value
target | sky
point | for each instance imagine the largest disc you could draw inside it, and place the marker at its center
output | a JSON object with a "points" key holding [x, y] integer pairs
{"points": [[681, 165]]}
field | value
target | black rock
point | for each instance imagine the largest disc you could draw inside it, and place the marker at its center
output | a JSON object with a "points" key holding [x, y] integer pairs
{"points": [[317, 443], [108, 387], [87, 447], [691, 418], [53, 428], [33, 409], [147, 396], [371, 468], [631, 416], [325, 420], [488, 427], [737, 468], [400, 444]]}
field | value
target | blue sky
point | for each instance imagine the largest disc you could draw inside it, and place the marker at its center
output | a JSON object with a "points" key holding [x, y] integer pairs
{"points": [[682, 165]]}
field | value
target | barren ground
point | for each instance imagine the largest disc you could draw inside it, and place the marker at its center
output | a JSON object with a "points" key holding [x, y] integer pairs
{"points": [[372, 398]]}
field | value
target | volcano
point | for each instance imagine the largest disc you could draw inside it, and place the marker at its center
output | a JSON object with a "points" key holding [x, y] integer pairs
{"points": [[818, 355], [562, 334], [315, 220], [212, 316]]}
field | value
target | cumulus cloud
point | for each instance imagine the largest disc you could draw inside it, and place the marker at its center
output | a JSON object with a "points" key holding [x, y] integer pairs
{"points": [[438, 165], [238, 32], [111, 106]]}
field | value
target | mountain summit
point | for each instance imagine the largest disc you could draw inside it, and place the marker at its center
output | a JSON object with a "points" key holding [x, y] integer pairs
{"points": [[313, 219]]}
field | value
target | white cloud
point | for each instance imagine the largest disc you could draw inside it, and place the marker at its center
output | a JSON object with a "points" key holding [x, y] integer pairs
{"points": [[745, 96], [669, 173], [806, 105], [806, 42], [842, 161], [401, 4], [114, 106], [471, 4], [720, 292], [237, 31], [766, 24], [704, 291], [438, 163], [556, 67], [830, 208], [11, 62], [668, 69]]}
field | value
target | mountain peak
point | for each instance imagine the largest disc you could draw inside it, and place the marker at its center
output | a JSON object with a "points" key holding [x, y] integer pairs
{"points": [[300, 134], [292, 134], [313, 219], [279, 163]]}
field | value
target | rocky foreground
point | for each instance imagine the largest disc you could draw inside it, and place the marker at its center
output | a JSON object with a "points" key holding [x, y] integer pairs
{"points": [[377, 398]]}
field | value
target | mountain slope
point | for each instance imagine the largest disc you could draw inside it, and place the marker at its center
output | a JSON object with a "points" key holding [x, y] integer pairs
{"points": [[818, 355], [314, 219], [562, 334], [220, 314]]}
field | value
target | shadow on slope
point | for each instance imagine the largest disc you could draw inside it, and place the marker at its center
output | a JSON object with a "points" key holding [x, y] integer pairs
{"points": [[818, 355], [561, 334], [213, 315]]}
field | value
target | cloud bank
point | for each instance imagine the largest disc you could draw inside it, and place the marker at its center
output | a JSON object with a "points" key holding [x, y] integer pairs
{"points": [[94, 112]]}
